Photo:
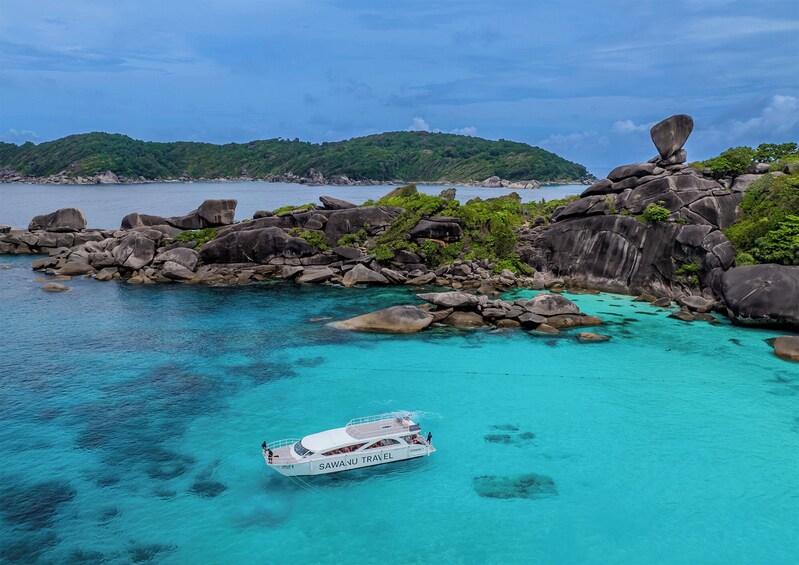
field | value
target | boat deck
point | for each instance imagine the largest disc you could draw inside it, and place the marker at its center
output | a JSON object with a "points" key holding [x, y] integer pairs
{"points": [[378, 428], [281, 455]]}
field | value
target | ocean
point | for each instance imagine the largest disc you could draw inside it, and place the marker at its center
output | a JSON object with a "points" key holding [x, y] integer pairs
{"points": [[132, 420]]}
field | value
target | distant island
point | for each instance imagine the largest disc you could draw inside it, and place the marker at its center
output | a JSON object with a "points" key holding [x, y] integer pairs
{"points": [[382, 158]]}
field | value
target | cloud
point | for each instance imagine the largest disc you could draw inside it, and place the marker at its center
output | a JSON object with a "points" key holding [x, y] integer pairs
{"points": [[571, 139], [420, 124], [471, 131], [780, 115], [18, 136], [628, 126]]}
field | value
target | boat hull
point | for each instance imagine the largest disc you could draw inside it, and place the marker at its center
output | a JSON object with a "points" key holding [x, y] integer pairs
{"points": [[358, 460]]}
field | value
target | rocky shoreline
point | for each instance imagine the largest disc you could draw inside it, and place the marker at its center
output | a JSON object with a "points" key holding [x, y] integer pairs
{"points": [[651, 229], [312, 179]]}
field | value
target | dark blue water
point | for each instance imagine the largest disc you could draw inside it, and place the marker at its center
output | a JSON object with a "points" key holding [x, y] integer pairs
{"points": [[132, 418]]}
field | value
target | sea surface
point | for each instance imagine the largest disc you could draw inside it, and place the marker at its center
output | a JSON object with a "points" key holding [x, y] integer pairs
{"points": [[105, 205], [132, 419]]}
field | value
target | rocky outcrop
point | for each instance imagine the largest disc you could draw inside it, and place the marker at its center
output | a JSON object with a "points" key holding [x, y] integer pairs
{"points": [[649, 227], [397, 320], [255, 246], [343, 222], [468, 310], [63, 220], [443, 229], [210, 214], [762, 295]]}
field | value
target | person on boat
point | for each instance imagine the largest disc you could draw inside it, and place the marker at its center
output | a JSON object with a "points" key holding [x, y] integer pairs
{"points": [[263, 446], [430, 438]]}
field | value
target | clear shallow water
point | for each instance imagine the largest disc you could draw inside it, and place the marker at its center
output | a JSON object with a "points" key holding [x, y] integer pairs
{"points": [[106, 205], [132, 419]]}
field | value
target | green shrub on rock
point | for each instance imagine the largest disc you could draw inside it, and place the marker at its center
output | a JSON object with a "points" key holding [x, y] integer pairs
{"points": [[314, 237], [200, 237], [655, 213]]}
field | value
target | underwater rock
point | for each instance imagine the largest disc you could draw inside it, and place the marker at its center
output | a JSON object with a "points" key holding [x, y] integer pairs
{"points": [[34, 507], [208, 489], [499, 438], [54, 287], [529, 486], [147, 552], [591, 337]]}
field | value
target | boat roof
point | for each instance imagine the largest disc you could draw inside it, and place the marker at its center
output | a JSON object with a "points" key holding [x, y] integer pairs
{"points": [[361, 429], [328, 439]]}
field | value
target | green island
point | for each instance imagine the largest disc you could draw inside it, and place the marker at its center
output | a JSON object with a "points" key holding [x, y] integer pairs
{"points": [[410, 156]]}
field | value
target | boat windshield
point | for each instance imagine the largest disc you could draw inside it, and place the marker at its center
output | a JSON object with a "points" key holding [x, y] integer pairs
{"points": [[301, 450]]}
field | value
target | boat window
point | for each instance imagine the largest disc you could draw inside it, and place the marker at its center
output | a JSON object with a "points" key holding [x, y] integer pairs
{"points": [[412, 439], [383, 443], [344, 450], [301, 450]]}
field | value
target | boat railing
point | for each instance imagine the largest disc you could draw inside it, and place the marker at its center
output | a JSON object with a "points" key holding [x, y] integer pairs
{"points": [[396, 417], [282, 443], [378, 417]]}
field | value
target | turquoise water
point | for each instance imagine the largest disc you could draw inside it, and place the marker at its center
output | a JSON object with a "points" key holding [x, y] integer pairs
{"points": [[132, 419]]}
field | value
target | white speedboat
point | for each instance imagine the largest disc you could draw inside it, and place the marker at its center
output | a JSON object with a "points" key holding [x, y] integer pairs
{"points": [[363, 442]]}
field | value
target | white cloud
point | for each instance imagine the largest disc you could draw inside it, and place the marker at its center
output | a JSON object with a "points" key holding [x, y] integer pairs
{"points": [[628, 126], [468, 130], [18, 136], [780, 115], [419, 124], [571, 139]]}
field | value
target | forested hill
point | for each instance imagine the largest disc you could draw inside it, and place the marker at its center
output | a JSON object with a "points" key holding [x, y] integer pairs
{"points": [[410, 156]]}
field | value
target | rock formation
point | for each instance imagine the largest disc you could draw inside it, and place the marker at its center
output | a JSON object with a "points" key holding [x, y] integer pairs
{"points": [[646, 227], [463, 310], [63, 220]]}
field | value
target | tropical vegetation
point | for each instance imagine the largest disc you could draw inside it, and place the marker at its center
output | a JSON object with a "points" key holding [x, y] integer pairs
{"points": [[417, 156]]}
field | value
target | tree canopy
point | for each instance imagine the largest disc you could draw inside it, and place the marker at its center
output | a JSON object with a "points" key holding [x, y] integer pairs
{"points": [[416, 156]]}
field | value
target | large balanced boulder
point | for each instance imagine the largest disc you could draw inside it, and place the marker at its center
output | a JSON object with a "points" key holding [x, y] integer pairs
{"points": [[397, 319], [762, 295], [671, 134], [63, 220], [255, 246]]}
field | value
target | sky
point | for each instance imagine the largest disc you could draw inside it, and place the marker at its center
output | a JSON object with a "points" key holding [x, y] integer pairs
{"points": [[585, 79]]}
